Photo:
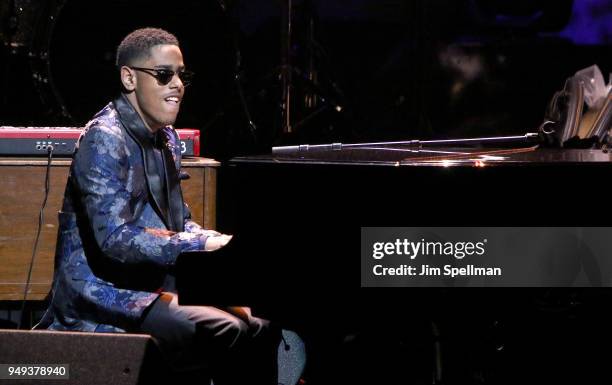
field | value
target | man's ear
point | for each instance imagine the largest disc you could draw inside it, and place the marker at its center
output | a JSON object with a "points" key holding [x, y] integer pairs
{"points": [[128, 78]]}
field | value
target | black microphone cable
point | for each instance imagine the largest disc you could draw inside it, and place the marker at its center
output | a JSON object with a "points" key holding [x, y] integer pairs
{"points": [[40, 223]]}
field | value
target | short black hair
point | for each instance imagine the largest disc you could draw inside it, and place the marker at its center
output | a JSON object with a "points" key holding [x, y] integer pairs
{"points": [[137, 44]]}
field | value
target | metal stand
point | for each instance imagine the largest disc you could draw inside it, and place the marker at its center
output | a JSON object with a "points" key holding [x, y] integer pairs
{"points": [[285, 66], [237, 75], [288, 72], [412, 144]]}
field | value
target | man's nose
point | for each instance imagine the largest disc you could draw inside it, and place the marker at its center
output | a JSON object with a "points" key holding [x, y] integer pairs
{"points": [[176, 82]]}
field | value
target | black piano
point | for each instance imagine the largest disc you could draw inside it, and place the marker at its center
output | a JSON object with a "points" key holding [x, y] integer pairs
{"points": [[297, 216]]}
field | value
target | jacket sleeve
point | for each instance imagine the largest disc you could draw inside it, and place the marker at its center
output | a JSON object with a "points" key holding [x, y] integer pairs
{"points": [[101, 173]]}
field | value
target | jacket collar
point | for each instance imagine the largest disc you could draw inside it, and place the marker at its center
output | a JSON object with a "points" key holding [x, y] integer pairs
{"points": [[136, 129]]}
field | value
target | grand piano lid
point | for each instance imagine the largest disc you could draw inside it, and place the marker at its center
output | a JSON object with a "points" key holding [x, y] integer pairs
{"points": [[432, 156]]}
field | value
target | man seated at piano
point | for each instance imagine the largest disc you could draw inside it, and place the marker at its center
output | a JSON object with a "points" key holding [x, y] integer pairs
{"points": [[123, 223]]}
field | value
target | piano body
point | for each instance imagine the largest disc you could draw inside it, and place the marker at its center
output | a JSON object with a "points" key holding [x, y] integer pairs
{"points": [[297, 216]]}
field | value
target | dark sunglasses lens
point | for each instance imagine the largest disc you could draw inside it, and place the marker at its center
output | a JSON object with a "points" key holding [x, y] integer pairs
{"points": [[164, 77], [186, 77]]}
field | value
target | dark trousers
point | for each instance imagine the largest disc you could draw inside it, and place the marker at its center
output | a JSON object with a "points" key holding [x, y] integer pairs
{"points": [[205, 340]]}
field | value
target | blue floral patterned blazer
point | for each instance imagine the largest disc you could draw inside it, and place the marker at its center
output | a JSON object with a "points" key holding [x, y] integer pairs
{"points": [[122, 224]]}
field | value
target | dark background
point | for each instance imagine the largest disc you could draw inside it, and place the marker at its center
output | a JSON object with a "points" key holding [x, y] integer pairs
{"points": [[399, 70]]}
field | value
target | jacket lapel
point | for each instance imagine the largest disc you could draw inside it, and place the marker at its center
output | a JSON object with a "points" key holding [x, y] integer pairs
{"points": [[175, 195], [135, 127]]}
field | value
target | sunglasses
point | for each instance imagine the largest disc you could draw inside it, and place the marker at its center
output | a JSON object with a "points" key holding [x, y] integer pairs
{"points": [[164, 76]]}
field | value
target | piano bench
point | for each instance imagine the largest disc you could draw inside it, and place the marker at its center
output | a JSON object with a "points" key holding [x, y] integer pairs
{"points": [[91, 358]]}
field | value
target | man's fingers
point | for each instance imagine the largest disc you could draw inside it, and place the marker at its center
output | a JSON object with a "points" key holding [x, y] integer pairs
{"points": [[214, 243]]}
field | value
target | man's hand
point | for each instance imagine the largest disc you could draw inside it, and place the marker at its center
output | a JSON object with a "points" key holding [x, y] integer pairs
{"points": [[217, 242], [211, 233]]}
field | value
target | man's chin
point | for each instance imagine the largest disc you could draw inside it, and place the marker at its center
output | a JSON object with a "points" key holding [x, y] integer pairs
{"points": [[173, 119], [169, 122]]}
